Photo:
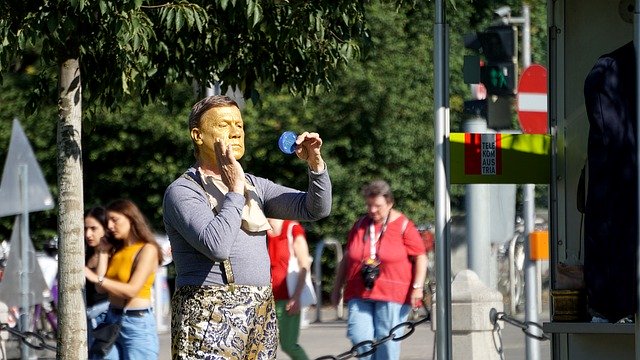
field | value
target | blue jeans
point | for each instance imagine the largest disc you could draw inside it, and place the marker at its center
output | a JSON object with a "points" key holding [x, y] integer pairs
{"points": [[138, 338], [373, 320], [96, 315]]}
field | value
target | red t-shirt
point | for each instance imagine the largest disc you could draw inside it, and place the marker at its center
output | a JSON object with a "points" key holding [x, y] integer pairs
{"points": [[279, 254], [393, 251]]}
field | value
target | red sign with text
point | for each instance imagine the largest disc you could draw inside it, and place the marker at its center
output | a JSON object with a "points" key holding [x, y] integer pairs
{"points": [[483, 154]]}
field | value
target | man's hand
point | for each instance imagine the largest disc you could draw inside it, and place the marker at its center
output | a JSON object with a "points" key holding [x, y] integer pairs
{"points": [[231, 171], [308, 148]]}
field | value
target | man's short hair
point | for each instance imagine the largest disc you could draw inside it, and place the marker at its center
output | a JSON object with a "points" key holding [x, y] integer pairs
{"points": [[205, 105]]}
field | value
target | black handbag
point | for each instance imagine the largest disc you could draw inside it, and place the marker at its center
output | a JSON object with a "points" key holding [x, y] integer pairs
{"points": [[105, 336]]}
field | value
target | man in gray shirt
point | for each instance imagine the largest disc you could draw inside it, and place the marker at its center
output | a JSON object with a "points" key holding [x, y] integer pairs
{"points": [[215, 216]]}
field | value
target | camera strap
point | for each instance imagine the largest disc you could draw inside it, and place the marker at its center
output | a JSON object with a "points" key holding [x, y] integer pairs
{"points": [[374, 238], [374, 243]]}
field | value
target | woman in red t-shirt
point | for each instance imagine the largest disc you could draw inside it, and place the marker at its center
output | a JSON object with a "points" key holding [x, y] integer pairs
{"points": [[382, 272], [288, 308]]}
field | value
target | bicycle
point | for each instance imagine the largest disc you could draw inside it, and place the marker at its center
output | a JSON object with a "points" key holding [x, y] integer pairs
{"points": [[511, 257], [43, 319]]}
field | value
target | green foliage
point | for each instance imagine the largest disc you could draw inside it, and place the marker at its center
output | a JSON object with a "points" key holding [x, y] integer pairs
{"points": [[129, 47], [136, 153], [376, 122], [131, 52], [132, 153]]}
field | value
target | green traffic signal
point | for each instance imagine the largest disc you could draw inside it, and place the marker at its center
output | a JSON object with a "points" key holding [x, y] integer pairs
{"points": [[499, 78]]}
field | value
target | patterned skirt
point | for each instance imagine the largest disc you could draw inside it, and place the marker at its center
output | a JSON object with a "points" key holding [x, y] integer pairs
{"points": [[223, 322]]}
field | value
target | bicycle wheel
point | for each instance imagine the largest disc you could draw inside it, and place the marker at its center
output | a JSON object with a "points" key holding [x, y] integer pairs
{"points": [[518, 264]]}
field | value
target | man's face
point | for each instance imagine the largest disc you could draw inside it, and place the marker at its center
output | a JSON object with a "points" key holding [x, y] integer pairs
{"points": [[223, 123]]}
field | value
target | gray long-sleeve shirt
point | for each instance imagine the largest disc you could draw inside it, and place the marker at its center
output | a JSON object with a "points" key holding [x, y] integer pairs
{"points": [[200, 239]]}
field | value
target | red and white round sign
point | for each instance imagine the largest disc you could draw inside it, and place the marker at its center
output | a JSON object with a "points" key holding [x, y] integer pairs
{"points": [[532, 100]]}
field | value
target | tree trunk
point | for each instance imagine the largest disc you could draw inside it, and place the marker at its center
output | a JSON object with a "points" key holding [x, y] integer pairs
{"points": [[72, 325]]}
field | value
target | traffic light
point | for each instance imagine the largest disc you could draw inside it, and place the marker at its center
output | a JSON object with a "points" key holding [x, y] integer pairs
{"points": [[498, 46], [499, 78]]}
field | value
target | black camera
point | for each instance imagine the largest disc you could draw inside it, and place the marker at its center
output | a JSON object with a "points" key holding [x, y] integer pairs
{"points": [[370, 271]]}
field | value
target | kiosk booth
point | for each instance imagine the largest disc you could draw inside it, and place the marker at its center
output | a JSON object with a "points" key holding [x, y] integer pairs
{"points": [[580, 31]]}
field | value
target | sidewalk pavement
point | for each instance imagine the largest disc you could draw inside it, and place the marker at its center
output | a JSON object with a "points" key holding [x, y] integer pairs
{"points": [[329, 338]]}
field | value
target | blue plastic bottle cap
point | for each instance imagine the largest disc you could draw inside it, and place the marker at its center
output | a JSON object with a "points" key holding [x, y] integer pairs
{"points": [[287, 142]]}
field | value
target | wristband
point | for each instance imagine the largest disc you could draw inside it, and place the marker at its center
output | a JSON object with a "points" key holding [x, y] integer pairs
{"points": [[100, 280], [417, 286]]}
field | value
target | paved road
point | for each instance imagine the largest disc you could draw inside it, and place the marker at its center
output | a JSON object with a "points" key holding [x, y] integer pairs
{"points": [[329, 338]]}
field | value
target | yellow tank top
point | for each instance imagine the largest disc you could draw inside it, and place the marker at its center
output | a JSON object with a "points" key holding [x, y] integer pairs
{"points": [[120, 268]]}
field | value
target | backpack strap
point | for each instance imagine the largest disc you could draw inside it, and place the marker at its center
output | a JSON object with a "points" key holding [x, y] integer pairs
{"points": [[405, 223]]}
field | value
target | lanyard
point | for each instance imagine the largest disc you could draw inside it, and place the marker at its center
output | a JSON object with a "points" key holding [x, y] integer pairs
{"points": [[373, 238]]}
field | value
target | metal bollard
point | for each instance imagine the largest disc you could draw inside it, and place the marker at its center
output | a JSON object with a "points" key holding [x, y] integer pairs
{"points": [[317, 269]]}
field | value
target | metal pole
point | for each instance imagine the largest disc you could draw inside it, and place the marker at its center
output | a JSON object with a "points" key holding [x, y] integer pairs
{"points": [[477, 200], [636, 44], [526, 37], [317, 270], [532, 346], [442, 201], [24, 255]]}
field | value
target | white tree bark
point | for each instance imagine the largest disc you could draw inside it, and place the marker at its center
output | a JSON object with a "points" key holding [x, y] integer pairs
{"points": [[72, 325]]}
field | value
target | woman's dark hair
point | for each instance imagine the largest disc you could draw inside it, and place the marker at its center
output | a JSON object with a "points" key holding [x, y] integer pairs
{"points": [[140, 228], [100, 214]]}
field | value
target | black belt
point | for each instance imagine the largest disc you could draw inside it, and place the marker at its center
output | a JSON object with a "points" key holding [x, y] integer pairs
{"points": [[130, 312]]}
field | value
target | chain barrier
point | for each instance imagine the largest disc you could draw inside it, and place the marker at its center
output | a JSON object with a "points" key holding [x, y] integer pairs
{"points": [[368, 347], [30, 338], [526, 327]]}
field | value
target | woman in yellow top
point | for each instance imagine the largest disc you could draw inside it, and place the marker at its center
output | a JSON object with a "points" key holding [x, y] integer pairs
{"points": [[127, 277]]}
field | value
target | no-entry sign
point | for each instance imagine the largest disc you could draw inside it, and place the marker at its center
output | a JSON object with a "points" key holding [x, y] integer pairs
{"points": [[532, 100]]}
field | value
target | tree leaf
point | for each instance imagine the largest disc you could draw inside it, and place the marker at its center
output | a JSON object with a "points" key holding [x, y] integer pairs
{"points": [[136, 41], [257, 16], [189, 14], [250, 8], [179, 19], [103, 7], [198, 21], [170, 16], [223, 4]]}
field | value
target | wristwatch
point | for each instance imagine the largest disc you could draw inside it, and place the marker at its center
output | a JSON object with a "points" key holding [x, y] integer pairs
{"points": [[100, 280], [417, 286]]}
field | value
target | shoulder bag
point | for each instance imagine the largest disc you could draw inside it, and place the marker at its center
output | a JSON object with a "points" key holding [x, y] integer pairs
{"points": [[308, 294]]}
